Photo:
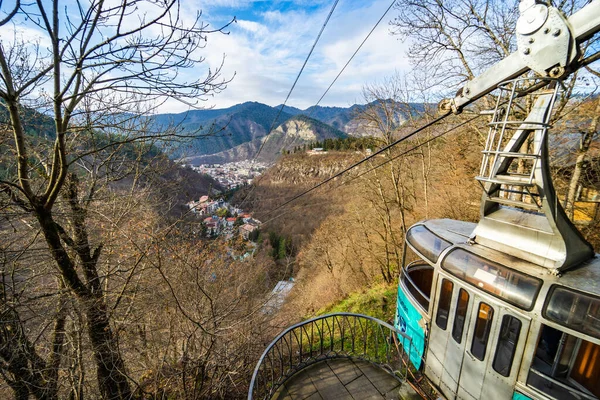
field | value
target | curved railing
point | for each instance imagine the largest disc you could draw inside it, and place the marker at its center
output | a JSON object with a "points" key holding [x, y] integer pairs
{"points": [[340, 335]]}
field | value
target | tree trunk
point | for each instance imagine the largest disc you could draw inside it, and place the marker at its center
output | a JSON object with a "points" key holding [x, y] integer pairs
{"points": [[58, 340], [110, 368], [20, 359], [584, 147]]}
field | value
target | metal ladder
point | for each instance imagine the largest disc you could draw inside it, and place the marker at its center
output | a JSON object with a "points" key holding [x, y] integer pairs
{"points": [[520, 211], [512, 151]]}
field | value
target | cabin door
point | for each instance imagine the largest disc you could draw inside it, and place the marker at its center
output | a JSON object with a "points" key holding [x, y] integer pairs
{"points": [[446, 345], [476, 344], [462, 302], [494, 341]]}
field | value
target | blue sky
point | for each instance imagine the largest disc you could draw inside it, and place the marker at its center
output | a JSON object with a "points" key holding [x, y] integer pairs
{"points": [[268, 44]]}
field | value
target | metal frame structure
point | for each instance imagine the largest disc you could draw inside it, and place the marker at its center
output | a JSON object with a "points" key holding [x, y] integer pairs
{"points": [[515, 172], [548, 44]]}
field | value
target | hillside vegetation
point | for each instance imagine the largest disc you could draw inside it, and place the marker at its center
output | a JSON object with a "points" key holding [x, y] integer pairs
{"points": [[348, 235], [342, 244]]}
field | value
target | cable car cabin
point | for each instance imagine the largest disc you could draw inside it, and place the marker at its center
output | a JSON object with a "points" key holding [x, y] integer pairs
{"points": [[509, 308], [487, 325]]}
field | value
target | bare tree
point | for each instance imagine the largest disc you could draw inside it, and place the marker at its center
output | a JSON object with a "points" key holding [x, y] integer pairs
{"points": [[588, 136], [457, 39], [96, 69], [394, 106]]}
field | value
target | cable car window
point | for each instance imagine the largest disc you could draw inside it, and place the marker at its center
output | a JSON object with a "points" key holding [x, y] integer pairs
{"points": [[507, 344], [441, 318], [565, 366], [459, 317], [505, 283], [573, 309], [426, 242], [417, 277], [483, 326]]}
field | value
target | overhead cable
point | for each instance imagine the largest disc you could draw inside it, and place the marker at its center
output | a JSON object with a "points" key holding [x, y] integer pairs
{"points": [[410, 150], [297, 77], [347, 63], [356, 164], [371, 169], [328, 88], [354, 54]]}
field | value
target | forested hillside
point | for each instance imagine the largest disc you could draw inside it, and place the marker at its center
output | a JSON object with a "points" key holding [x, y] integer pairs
{"points": [[125, 276], [221, 130], [348, 235], [296, 131], [236, 133]]}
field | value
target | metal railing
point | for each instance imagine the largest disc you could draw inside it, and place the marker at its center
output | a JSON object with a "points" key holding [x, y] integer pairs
{"points": [[340, 335]]}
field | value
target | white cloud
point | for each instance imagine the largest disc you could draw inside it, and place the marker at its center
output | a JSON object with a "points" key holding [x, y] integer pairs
{"points": [[22, 33], [252, 26], [268, 45], [267, 55]]}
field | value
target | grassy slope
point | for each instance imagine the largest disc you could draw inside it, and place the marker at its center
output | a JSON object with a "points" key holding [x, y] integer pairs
{"points": [[378, 301]]}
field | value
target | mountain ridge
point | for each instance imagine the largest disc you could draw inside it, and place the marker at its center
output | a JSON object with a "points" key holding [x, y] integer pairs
{"points": [[236, 133], [296, 131]]}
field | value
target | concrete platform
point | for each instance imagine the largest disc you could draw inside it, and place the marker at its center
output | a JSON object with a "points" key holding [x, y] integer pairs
{"points": [[340, 379]]}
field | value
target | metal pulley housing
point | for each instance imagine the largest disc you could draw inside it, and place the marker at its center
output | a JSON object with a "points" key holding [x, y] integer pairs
{"points": [[544, 39]]}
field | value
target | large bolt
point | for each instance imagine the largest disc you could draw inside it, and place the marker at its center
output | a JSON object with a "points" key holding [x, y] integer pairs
{"points": [[556, 32], [556, 72], [527, 51], [531, 40]]}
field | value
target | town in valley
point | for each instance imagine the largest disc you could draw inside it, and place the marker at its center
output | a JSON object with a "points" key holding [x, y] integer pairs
{"points": [[233, 174]]}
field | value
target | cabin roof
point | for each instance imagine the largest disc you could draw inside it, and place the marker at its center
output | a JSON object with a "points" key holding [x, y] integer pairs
{"points": [[585, 277], [451, 230]]}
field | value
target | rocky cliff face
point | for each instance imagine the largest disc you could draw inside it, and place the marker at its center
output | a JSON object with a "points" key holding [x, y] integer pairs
{"points": [[236, 133], [304, 169], [297, 131], [218, 131]]}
